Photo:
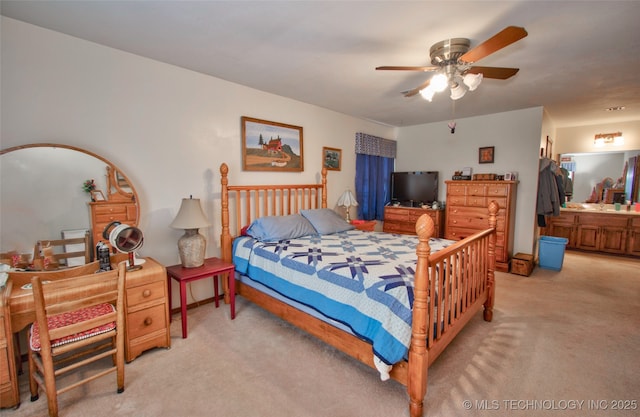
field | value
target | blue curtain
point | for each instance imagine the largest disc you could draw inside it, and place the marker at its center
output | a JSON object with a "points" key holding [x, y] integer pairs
{"points": [[375, 159], [372, 185]]}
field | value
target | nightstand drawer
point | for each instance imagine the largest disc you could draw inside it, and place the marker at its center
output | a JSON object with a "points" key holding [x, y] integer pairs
{"points": [[146, 321], [144, 293]]}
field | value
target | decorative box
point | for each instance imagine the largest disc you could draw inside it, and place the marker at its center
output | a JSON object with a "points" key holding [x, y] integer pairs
{"points": [[484, 177], [522, 264]]}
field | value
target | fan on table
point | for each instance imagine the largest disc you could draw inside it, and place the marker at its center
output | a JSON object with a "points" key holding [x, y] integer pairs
{"points": [[452, 61], [126, 239]]}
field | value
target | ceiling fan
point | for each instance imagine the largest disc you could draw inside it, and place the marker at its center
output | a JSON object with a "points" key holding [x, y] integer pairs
{"points": [[452, 60]]}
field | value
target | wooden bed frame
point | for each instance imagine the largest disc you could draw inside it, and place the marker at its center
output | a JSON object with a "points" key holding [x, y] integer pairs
{"points": [[467, 267]]}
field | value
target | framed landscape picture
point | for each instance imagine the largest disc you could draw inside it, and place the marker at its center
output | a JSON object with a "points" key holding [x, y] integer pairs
{"points": [[271, 146], [331, 158]]}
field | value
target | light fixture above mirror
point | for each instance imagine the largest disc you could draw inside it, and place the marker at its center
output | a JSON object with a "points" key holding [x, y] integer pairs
{"points": [[603, 139]]}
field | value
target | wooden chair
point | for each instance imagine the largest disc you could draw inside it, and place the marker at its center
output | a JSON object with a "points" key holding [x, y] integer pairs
{"points": [[71, 333], [55, 251]]}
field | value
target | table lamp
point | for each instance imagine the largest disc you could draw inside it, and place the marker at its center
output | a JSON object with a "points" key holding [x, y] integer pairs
{"points": [[346, 200], [191, 245]]}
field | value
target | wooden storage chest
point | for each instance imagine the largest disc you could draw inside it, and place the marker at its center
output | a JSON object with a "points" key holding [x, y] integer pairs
{"points": [[522, 264]]}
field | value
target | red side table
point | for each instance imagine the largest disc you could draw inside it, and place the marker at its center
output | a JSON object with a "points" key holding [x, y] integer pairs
{"points": [[213, 267]]}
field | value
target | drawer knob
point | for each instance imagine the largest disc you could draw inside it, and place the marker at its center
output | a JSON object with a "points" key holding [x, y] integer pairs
{"points": [[148, 321], [455, 222], [146, 293]]}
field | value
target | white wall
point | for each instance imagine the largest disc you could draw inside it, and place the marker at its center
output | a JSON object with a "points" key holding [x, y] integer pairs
{"points": [[580, 138], [167, 128], [516, 138]]}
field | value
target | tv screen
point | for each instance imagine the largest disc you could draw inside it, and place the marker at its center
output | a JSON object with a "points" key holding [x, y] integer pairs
{"points": [[414, 188]]}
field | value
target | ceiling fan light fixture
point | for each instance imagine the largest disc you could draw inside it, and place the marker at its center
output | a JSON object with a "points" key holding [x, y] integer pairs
{"points": [[427, 93], [439, 82], [457, 92], [472, 80]]}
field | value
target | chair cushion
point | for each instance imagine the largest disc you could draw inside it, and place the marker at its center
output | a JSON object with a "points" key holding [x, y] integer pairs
{"points": [[71, 317]]}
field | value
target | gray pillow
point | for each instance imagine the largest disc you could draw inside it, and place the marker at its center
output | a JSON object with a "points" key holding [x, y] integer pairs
{"points": [[326, 221], [274, 228]]}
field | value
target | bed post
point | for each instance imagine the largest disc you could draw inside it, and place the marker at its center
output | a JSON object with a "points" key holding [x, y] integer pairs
{"points": [[225, 236], [324, 187], [491, 288], [418, 354]]}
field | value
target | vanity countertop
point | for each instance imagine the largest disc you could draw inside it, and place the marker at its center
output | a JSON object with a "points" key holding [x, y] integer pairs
{"points": [[595, 208]]}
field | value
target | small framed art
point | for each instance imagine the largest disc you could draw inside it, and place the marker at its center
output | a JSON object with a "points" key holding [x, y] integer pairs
{"points": [[486, 155], [96, 195], [331, 158]]}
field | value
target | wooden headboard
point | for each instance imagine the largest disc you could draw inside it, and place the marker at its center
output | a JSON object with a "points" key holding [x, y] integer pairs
{"points": [[254, 201]]}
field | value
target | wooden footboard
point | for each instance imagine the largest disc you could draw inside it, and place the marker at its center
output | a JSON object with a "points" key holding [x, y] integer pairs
{"points": [[450, 286]]}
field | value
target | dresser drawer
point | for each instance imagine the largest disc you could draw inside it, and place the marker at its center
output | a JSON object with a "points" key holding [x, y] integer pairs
{"points": [[144, 293], [458, 233], [497, 190], [477, 189], [396, 215], [456, 190], [456, 200], [476, 201], [110, 209], [146, 321]]}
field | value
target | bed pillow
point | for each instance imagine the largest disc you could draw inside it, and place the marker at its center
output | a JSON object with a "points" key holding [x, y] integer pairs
{"points": [[274, 228], [326, 221]]}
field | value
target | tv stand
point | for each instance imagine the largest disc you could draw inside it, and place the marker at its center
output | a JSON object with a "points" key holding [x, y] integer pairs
{"points": [[399, 219]]}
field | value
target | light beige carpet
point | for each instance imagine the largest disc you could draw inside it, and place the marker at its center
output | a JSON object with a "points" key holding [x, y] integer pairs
{"points": [[561, 343]]}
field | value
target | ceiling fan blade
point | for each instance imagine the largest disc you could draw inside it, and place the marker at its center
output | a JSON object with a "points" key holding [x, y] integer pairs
{"points": [[503, 38], [494, 72], [416, 90], [395, 68]]}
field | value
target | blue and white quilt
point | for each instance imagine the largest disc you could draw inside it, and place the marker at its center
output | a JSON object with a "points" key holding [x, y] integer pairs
{"points": [[361, 279]]}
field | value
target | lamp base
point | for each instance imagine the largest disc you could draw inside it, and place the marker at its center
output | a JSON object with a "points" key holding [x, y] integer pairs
{"points": [[192, 246]]}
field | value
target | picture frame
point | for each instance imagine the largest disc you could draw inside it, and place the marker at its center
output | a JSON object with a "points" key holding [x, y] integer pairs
{"points": [[486, 155], [96, 195], [332, 158], [271, 146]]}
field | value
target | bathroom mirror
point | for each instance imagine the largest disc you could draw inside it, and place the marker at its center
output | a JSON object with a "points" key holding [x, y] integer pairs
{"points": [[589, 169], [42, 192]]}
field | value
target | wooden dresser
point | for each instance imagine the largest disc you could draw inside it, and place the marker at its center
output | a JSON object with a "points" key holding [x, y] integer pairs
{"points": [[146, 316], [403, 219], [105, 212], [467, 213]]}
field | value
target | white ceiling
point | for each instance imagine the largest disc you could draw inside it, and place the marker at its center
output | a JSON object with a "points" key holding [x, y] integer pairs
{"points": [[580, 57]]}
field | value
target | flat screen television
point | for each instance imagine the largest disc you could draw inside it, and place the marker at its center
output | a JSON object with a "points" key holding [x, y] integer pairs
{"points": [[414, 188]]}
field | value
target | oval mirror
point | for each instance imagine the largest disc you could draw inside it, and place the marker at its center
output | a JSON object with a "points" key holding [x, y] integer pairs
{"points": [[43, 195]]}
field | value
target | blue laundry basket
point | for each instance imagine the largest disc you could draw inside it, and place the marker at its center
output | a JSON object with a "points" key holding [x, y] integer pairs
{"points": [[551, 252]]}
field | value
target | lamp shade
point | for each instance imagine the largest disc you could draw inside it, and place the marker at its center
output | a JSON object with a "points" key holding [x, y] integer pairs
{"points": [[190, 215], [457, 92], [347, 199], [472, 80], [427, 93], [192, 245]]}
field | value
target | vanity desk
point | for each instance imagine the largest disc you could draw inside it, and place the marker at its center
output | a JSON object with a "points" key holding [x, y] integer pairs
{"points": [[146, 315]]}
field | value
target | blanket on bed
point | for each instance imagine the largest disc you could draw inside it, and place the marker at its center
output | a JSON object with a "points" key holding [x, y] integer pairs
{"points": [[361, 279]]}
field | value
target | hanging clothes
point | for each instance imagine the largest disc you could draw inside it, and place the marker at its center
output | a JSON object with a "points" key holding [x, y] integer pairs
{"points": [[549, 202]]}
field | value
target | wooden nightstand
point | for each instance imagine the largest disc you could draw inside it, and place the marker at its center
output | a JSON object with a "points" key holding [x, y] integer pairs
{"points": [[212, 268], [366, 225]]}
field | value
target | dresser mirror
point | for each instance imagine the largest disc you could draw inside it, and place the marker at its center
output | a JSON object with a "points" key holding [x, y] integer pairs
{"points": [[43, 194]]}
